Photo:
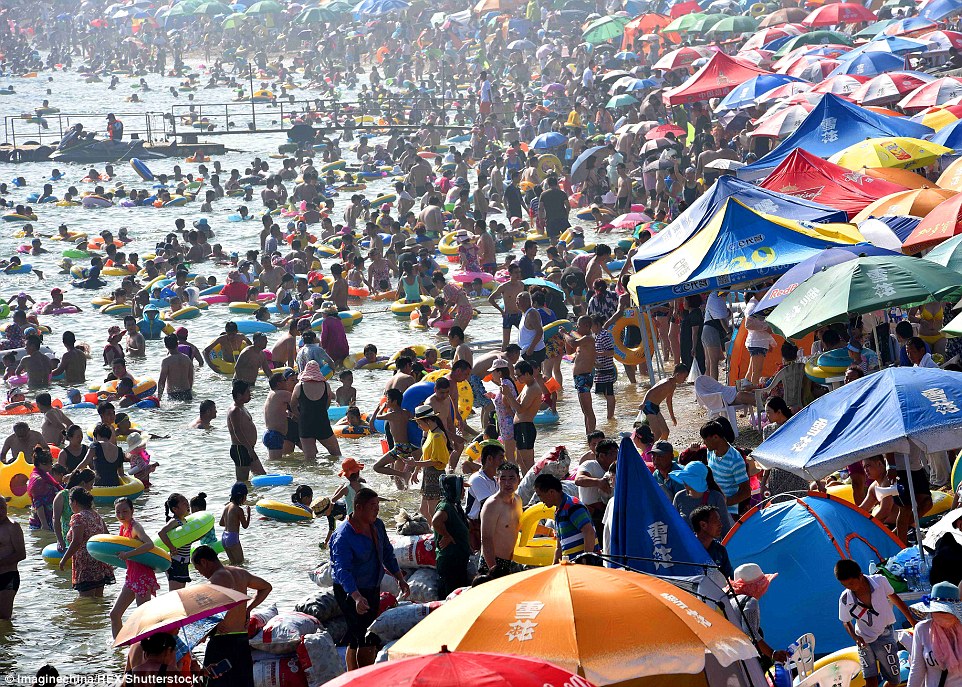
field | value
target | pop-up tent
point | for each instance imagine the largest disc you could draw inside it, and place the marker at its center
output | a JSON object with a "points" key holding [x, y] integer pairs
{"points": [[833, 125], [739, 245], [721, 75], [801, 540], [808, 176], [697, 216]]}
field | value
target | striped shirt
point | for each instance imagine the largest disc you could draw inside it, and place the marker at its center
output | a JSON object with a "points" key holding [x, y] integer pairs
{"points": [[729, 471], [570, 517]]}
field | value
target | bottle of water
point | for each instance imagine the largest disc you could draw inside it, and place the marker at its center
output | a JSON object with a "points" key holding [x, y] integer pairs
{"points": [[924, 575], [782, 676], [911, 575]]}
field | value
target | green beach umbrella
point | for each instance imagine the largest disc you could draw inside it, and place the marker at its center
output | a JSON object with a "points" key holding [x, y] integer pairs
{"points": [[623, 100], [814, 38], [948, 254], [705, 23], [860, 286], [872, 30], [683, 23], [316, 15], [605, 29], [234, 21], [339, 6], [265, 7], [182, 9], [737, 24], [212, 9]]}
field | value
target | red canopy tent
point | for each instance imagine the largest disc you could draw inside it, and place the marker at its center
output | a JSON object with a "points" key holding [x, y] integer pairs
{"points": [[716, 79], [807, 176]]}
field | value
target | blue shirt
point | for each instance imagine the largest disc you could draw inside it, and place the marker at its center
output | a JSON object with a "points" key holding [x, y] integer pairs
{"points": [[729, 472], [570, 517], [355, 563]]}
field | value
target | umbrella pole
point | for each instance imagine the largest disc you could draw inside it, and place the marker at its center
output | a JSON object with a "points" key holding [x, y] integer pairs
{"points": [[915, 511], [647, 344]]}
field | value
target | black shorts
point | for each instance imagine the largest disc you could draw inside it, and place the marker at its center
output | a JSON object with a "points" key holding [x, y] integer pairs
{"points": [[9, 581], [605, 388], [181, 395], [525, 434], [920, 484], [241, 456], [94, 584], [623, 202], [556, 225], [357, 624], [509, 320], [536, 358], [235, 648], [178, 571], [293, 432]]}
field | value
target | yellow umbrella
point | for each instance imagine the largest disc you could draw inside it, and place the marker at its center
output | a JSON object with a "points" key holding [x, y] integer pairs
{"points": [[611, 626], [890, 151], [952, 176]]}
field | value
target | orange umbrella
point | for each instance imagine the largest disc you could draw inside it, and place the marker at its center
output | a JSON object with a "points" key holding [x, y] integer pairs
{"points": [[586, 620], [883, 111], [902, 177], [944, 222], [952, 176], [917, 202]]}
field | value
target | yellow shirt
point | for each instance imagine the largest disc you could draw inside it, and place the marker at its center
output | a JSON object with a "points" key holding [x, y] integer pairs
{"points": [[574, 119], [435, 449]]}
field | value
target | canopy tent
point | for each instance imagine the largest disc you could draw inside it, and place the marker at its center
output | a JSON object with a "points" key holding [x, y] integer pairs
{"points": [[808, 176], [738, 245], [832, 126], [699, 214], [716, 79], [801, 540]]}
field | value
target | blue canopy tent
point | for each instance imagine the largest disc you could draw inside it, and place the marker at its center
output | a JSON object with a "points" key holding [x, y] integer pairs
{"points": [[834, 124], [801, 540], [738, 245], [697, 216]]}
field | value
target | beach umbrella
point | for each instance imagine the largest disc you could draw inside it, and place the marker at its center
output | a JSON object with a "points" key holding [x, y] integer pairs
{"points": [[316, 15], [937, 10], [704, 23], [814, 38], [551, 613], [939, 117], [909, 27], [552, 139], [897, 45], [453, 669], [604, 29], [680, 9], [843, 85], [647, 23], [733, 24], [663, 130], [182, 9], [860, 286], [890, 151], [176, 609], [951, 177], [746, 94], [521, 45], [869, 63], [725, 165], [786, 15], [265, 7], [781, 123], [873, 30], [763, 37], [630, 220], [682, 57], [234, 21], [613, 75], [579, 169], [889, 88], [942, 223], [786, 90], [538, 281], [788, 282], [339, 6], [948, 253], [212, 9], [630, 83], [839, 13], [623, 100], [375, 8], [684, 22], [757, 57], [653, 145], [949, 136], [915, 202], [625, 56], [895, 175], [811, 68], [943, 41], [933, 93]]}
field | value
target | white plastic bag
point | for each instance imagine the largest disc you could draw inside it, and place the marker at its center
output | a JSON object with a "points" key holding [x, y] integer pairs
{"points": [[319, 659], [283, 632]]}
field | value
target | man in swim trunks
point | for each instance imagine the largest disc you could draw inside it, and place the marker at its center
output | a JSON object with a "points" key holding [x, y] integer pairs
{"points": [[176, 372], [22, 441], [229, 640], [12, 551], [230, 343], [508, 291], [663, 392], [243, 433], [525, 407], [281, 433], [501, 523], [582, 345], [482, 364]]}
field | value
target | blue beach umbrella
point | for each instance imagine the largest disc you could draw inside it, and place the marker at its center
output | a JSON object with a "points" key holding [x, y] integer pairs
{"points": [[552, 139], [949, 136], [747, 93], [940, 9], [375, 8], [869, 64]]}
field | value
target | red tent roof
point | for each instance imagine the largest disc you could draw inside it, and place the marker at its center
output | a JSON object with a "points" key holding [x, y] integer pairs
{"points": [[716, 79], [807, 176]]}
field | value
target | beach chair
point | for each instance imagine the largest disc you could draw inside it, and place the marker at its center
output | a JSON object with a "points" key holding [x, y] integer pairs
{"points": [[802, 657], [792, 377], [715, 406], [838, 674]]}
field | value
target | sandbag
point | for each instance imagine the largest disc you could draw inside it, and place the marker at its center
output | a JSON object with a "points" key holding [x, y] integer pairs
{"points": [[389, 585], [395, 622], [318, 658], [414, 552], [259, 618], [556, 462], [285, 672], [410, 525], [322, 605], [321, 576], [425, 584], [337, 628], [283, 632]]}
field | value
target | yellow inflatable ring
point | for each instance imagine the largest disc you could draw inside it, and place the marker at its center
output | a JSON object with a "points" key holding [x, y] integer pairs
{"points": [[758, 9], [105, 547], [284, 512], [129, 486], [402, 309], [538, 238], [13, 482], [419, 350], [549, 164], [624, 354], [447, 244], [187, 313], [465, 393], [115, 271], [242, 308], [531, 549], [351, 362]]}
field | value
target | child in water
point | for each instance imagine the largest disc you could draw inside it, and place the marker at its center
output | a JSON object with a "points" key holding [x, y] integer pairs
{"points": [[232, 519], [302, 497], [352, 423], [140, 465], [346, 394], [198, 504]]}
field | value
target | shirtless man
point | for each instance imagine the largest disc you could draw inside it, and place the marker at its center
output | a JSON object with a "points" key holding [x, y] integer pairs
{"points": [[582, 345], [663, 392], [339, 288], [525, 407], [243, 433], [230, 342], [403, 378], [285, 350], [22, 441], [12, 551], [270, 275], [176, 373], [281, 433], [229, 640], [55, 421], [395, 461], [252, 359], [134, 342], [36, 365], [501, 522], [508, 291], [73, 362], [446, 408], [208, 411], [487, 248], [432, 217]]}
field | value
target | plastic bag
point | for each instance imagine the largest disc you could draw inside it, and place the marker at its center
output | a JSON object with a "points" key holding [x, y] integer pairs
{"points": [[322, 605], [425, 584], [395, 622], [382, 654], [410, 525], [321, 576], [259, 618], [285, 672], [414, 552], [283, 632], [337, 628], [318, 657]]}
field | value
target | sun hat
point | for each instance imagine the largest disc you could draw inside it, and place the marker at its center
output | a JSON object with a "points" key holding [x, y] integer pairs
{"points": [[201, 223], [500, 364], [312, 372], [750, 580], [694, 475], [424, 412], [349, 466], [944, 598], [135, 440], [320, 504]]}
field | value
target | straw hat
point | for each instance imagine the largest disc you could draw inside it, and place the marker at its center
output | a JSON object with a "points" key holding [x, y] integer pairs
{"points": [[320, 504], [135, 440]]}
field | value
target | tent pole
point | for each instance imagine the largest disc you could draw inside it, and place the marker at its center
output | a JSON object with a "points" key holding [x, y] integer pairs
{"points": [[647, 344], [915, 509]]}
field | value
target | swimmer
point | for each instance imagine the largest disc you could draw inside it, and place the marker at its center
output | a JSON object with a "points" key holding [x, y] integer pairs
{"points": [[234, 517]]}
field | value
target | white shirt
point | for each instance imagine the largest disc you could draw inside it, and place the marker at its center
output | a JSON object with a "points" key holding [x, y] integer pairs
{"points": [[485, 96], [927, 361], [756, 338], [924, 669], [716, 308], [590, 495], [870, 623], [480, 487], [588, 78]]}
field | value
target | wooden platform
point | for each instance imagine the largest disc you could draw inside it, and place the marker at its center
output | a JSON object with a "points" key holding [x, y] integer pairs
{"points": [[39, 153]]}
